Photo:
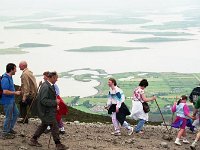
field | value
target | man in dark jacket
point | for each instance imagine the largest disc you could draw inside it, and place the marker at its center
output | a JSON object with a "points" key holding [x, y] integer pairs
{"points": [[46, 109]]}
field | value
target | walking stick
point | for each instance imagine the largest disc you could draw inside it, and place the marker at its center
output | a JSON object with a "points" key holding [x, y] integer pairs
{"points": [[50, 136], [162, 116], [49, 140], [31, 105]]}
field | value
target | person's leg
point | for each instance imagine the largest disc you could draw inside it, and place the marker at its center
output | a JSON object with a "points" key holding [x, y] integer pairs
{"points": [[41, 128], [128, 127], [55, 133], [140, 125], [61, 126], [15, 116], [195, 141], [115, 122], [23, 108], [184, 138], [8, 116], [180, 134]]}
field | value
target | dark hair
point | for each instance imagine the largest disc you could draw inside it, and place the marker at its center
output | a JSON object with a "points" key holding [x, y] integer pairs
{"points": [[10, 67], [113, 81], [144, 83], [46, 73], [183, 97], [51, 74]]}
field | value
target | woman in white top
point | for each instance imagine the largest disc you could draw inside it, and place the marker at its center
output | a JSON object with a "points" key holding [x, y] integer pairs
{"points": [[117, 108], [137, 107]]}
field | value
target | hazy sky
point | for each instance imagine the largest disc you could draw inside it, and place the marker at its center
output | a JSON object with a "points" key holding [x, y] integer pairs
{"points": [[19, 5]]}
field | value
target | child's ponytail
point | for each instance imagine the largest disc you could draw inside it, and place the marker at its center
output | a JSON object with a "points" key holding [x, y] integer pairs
{"points": [[183, 97]]}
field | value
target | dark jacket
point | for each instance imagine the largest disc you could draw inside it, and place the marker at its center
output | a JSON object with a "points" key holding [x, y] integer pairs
{"points": [[45, 105], [121, 115]]}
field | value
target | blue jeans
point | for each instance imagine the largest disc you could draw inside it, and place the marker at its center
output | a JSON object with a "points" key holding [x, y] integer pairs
{"points": [[12, 113], [140, 125]]}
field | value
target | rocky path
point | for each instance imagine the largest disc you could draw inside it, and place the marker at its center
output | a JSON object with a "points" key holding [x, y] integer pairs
{"points": [[82, 136]]}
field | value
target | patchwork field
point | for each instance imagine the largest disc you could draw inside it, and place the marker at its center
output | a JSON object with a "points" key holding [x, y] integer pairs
{"points": [[168, 87]]}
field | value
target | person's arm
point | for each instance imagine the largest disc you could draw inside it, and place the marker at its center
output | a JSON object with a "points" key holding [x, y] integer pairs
{"points": [[187, 112], [7, 92], [5, 86], [145, 99], [109, 102], [25, 87], [174, 108], [196, 106], [44, 100]]}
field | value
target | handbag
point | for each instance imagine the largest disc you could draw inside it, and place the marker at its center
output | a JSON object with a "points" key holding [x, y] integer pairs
{"points": [[146, 107]]}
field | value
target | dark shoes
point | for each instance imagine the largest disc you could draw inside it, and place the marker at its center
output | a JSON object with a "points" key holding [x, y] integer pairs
{"points": [[34, 142], [12, 132], [61, 147], [8, 136]]}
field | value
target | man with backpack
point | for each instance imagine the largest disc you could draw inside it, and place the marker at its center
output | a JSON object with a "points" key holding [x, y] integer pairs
{"points": [[8, 101]]}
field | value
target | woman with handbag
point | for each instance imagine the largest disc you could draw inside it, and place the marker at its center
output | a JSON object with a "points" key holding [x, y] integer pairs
{"points": [[140, 107]]}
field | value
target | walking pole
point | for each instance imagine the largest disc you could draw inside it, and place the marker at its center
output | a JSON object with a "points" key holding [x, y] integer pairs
{"points": [[31, 106], [162, 116], [50, 136]]}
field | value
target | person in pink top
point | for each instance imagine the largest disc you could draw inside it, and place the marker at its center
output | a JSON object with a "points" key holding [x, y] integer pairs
{"points": [[182, 113]]}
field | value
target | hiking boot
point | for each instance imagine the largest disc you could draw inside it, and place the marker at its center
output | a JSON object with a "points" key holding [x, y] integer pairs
{"points": [[12, 132], [193, 146], [61, 147], [130, 132], [34, 142], [8, 136]]}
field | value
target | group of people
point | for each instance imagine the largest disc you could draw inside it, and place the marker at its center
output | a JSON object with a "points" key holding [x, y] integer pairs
{"points": [[118, 110], [46, 103]]}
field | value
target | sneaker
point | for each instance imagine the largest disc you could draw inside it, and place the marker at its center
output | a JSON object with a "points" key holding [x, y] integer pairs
{"points": [[8, 136], [34, 142], [22, 121], [193, 146], [62, 130], [185, 141], [12, 132], [61, 147], [177, 143], [116, 133], [130, 132]]}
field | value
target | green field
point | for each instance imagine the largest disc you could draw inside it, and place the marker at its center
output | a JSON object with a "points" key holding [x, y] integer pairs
{"points": [[168, 87]]}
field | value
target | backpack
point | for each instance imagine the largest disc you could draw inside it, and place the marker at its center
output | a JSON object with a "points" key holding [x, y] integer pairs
{"points": [[1, 90]]}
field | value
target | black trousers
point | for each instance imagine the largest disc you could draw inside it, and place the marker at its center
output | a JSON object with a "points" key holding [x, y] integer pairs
{"points": [[54, 131], [23, 108]]}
